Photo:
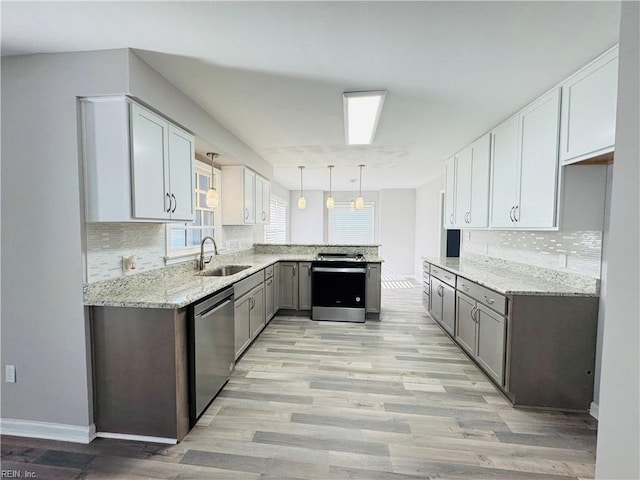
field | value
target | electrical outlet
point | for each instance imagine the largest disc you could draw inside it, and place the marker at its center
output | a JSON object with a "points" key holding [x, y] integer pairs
{"points": [[562, 260], [10, 373], [128, 263]]}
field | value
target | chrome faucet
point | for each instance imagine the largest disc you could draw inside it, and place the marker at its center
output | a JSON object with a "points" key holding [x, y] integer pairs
{"points": [[201, 262]]}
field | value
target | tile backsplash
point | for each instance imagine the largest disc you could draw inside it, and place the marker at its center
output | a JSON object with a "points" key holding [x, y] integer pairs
{"points": [[574, 252], [107, 243]]}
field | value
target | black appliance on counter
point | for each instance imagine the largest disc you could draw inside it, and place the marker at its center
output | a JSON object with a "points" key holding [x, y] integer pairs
{"points": [[338, 287]]}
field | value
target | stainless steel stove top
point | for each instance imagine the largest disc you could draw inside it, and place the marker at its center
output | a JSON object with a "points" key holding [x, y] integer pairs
{"points": [[340, 257]]}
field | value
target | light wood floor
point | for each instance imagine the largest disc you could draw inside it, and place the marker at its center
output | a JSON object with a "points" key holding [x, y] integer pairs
{"points": [[390, 399]]}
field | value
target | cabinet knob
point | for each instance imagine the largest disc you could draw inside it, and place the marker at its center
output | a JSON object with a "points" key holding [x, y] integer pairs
{"points": [[490, 301], [175, 203], [516, 217], [511, 214], [169, 207]]}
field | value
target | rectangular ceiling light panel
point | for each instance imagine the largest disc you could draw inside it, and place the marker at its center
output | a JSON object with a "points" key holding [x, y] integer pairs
{"points": [[361, 115]]}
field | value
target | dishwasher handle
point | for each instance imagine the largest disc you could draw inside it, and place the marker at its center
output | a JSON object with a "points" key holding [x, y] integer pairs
{"points": [[213, 303], [213, 309]]}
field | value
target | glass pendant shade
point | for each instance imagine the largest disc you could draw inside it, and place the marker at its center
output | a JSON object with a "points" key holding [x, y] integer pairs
{"points": [[301, 201], [212, 198], [360, 203], [331, 203]]}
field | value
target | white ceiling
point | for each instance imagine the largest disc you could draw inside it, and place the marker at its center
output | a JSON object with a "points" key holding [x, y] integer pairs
{"points": [[273, 72]]}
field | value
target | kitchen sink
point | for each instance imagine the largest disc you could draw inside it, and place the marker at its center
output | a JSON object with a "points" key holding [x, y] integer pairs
{"points": [[224, 271]]}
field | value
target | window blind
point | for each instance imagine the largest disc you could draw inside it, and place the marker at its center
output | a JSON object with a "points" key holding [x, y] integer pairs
{"points": [[351, 227], [276, 231]]}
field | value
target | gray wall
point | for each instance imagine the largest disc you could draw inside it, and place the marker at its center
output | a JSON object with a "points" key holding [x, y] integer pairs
{"points": [[428, 223], [152, 88], [398, 230], [43, 323], [619, 417]]}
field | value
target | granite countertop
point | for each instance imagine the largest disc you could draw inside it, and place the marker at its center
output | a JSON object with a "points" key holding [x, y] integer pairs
{"points": [[180, 285], [519, 280]]}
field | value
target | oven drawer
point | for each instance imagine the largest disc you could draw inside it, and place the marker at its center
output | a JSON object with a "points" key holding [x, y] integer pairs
{"points": [[444, 275], [491, 299]]}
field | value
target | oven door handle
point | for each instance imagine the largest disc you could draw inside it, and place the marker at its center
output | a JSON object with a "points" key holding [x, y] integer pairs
{"points": [[339, 270]]}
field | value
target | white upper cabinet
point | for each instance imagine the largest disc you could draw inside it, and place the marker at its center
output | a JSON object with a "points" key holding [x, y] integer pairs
{"points": [[525, 167], [263, 200], [538, 179], [471, 180], [589, 99], [463, 187], [138, 166], [450, 193], [247, 196], [504, 173]]}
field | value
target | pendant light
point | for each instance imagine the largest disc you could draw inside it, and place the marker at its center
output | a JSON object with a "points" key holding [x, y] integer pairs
{"points": [[360, 200], [212, 195], [330, 201], [352, 203], [301, 201]]}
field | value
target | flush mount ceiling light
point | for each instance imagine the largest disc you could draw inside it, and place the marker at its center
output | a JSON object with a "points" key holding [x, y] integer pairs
{"points": [[361, 115], [330, 201], [212, 195], [301, 201], [360, 199]]}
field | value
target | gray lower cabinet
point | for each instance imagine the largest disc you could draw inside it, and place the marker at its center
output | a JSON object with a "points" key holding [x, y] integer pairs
{"points": [[426, 287], [443, 304], [276, 287], [538, 349], [372, 288], [304, 286], [482, 334], [269, 292], [491, 333], [140, 371], [289, 285], [249, 314]]}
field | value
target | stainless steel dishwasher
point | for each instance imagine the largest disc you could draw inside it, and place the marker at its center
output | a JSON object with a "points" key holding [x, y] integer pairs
{"points": [[211, 350]]}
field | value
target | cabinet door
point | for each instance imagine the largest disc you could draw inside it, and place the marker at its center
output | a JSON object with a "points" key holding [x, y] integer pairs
{"points": [[289, 285], [304, 288], [150, 172], [450, 193], [276, 288], [492, 329], [480, 168], [266, 202], [259, 208], [589, 99], [448, 308], [269, 298], [372, 288], [257, 311], [181, 155], [465, 323], [436, 299], [539, 124], [249, 196], [504, 173], [242, 312], [463, 188]]}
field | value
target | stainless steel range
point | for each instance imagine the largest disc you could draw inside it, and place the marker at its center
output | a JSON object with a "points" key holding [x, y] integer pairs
{"points": [[338, 287]]}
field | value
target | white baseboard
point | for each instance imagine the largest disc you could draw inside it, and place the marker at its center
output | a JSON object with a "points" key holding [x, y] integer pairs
{"points": [[49, 431], [593, 410], [137, 438]]}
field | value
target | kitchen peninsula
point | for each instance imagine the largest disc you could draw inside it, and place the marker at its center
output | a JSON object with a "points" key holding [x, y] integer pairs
{"points": [[142, 330]]}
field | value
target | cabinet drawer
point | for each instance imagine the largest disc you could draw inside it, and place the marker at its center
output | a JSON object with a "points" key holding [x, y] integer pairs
{"points": [[491, 299], [243, 286], [444, 275], [268, 272]]}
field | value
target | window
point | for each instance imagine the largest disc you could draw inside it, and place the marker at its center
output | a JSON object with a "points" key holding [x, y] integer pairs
{"points": [[276, 231], [184, 238], [347, 226]]}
